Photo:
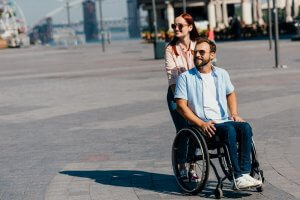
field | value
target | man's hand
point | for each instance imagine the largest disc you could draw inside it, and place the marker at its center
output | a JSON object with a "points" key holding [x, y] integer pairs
{"points": [[208, 128], [237, 118]]}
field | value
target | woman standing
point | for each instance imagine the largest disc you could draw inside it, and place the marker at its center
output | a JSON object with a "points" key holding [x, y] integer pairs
{"points": [[178, 59]]}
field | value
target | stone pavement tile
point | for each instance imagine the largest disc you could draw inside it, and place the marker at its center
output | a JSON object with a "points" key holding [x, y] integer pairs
{"points": [[79, 176], [292, 188], [81, 166], [296, 194], [149, 197], [63, 179], [163, 164], [57, 189], [98, 191], [56, 197], [275, 194], [11, 195], [81, 187], [172, 196], [79, 197], [144, 190], [145, 164], [109, 165]]}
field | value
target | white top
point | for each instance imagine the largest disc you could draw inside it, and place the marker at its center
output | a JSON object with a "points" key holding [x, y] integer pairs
{"points": [[212, 109]]}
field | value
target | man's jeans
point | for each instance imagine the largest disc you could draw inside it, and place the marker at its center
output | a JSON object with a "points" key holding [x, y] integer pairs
{"points": [[179, 123], [231, 133]]}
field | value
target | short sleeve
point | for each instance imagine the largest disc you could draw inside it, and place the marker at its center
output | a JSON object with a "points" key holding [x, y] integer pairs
{"points": [[229, 86], [170, 66], [181, 88]]}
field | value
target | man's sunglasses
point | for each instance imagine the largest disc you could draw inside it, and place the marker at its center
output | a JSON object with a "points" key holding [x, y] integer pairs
{"points": [[201, 52], [180, 26]]}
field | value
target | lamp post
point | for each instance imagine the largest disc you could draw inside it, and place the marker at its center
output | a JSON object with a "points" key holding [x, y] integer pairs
{"points": [[68, 13], [270, 24], [276, 38], [158, 45], [101, 25], [68, 8], [154, 20], [184, 6]]}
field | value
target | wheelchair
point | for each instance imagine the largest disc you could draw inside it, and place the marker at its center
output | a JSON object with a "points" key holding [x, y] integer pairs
{"points": [[202, 151]]}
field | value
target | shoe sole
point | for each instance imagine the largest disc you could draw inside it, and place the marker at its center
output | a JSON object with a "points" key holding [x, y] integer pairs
{"points": [[248, 187]]}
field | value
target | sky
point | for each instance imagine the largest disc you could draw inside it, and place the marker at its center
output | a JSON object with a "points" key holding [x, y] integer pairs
{"points": [[34, 10]]}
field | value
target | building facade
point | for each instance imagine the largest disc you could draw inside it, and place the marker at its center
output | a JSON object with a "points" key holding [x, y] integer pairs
{"points": [[90, 21], [216, 12], [133, 19]]}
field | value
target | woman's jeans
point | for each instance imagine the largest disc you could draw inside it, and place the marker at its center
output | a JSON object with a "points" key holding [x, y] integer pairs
{"points": [[178, 120], [237, 132], [179, 123]]}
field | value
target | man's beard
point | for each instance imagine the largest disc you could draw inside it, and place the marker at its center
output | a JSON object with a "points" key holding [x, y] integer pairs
{"points": [[203, 63]]}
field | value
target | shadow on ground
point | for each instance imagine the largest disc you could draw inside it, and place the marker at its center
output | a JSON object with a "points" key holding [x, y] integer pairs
{"points": [[161, 183]]}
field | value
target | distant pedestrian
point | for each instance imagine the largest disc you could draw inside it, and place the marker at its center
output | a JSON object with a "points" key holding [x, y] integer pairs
{"points": [[236, 28], [210, 33], [108, 37]]}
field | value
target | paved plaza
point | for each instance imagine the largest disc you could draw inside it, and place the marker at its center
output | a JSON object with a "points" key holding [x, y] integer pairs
{"points": [[79, 124]]}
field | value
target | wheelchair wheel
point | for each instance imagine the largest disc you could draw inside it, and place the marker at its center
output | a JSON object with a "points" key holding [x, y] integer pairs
{"points": [[255, 168], [196, 155]]}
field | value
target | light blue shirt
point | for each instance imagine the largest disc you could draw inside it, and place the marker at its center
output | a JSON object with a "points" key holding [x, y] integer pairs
{"points": [[189, 86]]}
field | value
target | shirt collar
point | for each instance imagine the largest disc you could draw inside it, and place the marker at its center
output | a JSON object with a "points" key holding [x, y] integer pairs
{"points": [[214, 71]]}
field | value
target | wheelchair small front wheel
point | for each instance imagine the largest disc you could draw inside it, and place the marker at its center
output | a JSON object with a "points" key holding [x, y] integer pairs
{"points": [[259, 189], [218, 193], [189, 150]]}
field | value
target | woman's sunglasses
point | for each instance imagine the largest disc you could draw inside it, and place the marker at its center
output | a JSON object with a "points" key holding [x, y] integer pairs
{"points": [[180, 26]]}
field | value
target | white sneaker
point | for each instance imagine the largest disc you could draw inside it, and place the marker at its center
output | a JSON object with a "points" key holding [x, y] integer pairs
{"points": [[253, 180], [242, 183]]}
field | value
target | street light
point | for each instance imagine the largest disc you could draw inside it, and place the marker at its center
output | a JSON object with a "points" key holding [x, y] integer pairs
{"points": [[275, 10], [68, 11], [270, 24], [101, 25], [184, 6], [154, 20], [276, 38]]}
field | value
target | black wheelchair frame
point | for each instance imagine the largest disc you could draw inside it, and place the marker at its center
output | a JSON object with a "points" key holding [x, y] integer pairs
{"points": [[203, 161]]}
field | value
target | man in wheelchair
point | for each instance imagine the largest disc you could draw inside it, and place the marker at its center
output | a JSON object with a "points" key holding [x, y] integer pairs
{"points": [[203, 96]]}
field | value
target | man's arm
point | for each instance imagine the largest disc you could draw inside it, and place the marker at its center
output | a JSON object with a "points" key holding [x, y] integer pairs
{"points": [[187, 113], [232, 105]]}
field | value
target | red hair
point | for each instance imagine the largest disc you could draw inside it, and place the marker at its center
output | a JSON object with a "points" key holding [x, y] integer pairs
{"points": [[190, 21]]}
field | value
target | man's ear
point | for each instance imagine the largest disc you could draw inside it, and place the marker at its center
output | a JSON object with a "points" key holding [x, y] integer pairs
{"points": [[212, 55]]}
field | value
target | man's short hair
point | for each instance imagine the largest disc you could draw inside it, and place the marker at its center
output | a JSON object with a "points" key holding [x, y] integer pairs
{"points": [[212, 44]]}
